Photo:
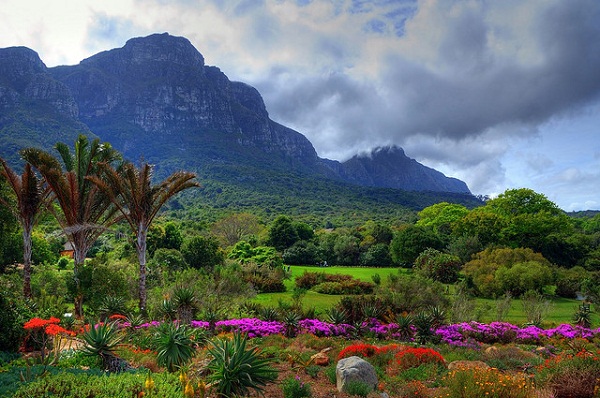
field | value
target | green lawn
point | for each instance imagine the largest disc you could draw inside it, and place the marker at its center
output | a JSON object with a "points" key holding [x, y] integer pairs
{"points": [[561, 310]]}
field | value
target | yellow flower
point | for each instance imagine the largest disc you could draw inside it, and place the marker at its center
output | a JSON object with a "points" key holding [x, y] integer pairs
{"points": [[202, 388], [189, 390], [149, 383], [183, 379]]}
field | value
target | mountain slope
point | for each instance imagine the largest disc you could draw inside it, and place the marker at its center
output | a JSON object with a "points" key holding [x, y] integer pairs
{"points": [[156, 99]]}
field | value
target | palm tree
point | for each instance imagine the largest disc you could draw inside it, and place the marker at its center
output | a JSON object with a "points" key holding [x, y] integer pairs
{"points": [[31, 197], [84, 211], [139, 201]]}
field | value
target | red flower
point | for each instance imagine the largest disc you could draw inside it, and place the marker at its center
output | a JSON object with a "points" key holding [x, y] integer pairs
{"points": [[35, 323], [53, 330], [118, 316], [413, 357], [361, 350]]}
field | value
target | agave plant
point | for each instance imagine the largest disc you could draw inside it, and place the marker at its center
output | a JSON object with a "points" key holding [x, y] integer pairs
{"points": [[185, 303], [269, 314], [102, 340], [405, 327], [135, 320], [437, 316], [112, 305], [167, 310], [336, 316], [423, 325], [211, 315], [236, 371], [291, 319], [175, 345]]}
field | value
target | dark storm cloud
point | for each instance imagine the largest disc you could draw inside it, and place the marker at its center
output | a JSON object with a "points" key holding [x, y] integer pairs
{"points": [[460, 86]]}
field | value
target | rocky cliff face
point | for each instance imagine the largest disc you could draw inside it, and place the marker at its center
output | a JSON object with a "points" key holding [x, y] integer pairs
{"points": [[157, 88], [35, 108], [156, 98], [390, 167]]}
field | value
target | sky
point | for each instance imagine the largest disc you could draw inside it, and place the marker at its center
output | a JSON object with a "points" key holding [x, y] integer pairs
{"points": [[500, 94]]}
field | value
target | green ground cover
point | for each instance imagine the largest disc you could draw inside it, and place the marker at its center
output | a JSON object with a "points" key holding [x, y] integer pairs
{"points": [[561, 310]]}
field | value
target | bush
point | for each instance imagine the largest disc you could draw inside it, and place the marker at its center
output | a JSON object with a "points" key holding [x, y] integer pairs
{"points": [[413, 357], [301, 253], [438, 266], [80, 384], [486, 383], [569, 375], [13, 314], [358, 388], [293, 387], [413, 293]]}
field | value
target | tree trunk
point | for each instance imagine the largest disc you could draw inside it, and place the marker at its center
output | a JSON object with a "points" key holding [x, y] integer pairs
{"points": [[141, 252], [79, 261], [27, 262]]}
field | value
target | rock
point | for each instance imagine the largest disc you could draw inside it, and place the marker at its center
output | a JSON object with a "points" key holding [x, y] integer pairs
{"points": [[457, 365], [355, 369], [321, 358]]}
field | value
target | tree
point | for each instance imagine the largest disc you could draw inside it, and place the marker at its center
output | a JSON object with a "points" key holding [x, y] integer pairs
{"points": [[409, 242], [438, 266], [232, 229], [84, 211], [441, 216], [131, 190], [8, 226], [490, 271], [283, 233], [202, 252], [31, 197]]}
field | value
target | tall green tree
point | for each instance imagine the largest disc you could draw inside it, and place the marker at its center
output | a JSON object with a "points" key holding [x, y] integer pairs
{"points": [[84, 211], [30, 198], [131, 190]]}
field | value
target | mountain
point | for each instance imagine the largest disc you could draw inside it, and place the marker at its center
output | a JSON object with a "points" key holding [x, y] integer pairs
{"points": [[156, 99]]}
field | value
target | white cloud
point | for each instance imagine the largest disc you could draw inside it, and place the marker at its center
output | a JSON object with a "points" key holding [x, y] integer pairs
{"points": [[484, 91]]}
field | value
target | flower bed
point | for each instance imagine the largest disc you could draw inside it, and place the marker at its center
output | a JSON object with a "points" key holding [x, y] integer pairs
{"points": [[466, 334]]}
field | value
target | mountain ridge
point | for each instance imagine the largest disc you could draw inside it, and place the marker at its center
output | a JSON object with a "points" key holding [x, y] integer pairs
{"points": [[154, 98]]}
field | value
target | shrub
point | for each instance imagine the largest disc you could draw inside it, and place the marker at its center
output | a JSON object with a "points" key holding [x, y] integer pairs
{"points": [[75, 384], [569, 375], [13, 313], [414, 357], [358, 388], [293, 387], [236, 370], [486, 383], [334, 288], [359, 350], [438, 266], [310, 279]]}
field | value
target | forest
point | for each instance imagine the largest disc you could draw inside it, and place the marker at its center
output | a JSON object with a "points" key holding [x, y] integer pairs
{"points": [[87, 238]]}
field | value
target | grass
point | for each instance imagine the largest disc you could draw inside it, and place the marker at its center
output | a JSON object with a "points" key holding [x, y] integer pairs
{"points": [[561, 309]]}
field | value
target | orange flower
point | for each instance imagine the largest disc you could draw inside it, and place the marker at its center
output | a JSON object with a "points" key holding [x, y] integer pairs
{"points": [[118, 316]]}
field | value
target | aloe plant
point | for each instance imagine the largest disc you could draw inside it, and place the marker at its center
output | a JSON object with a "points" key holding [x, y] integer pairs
{"points": [[175, 345], [102, 340], [236, 371], [185, 302]]}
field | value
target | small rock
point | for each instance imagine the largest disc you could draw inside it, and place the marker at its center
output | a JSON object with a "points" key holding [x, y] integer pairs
{"points": [[320, 359]]}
